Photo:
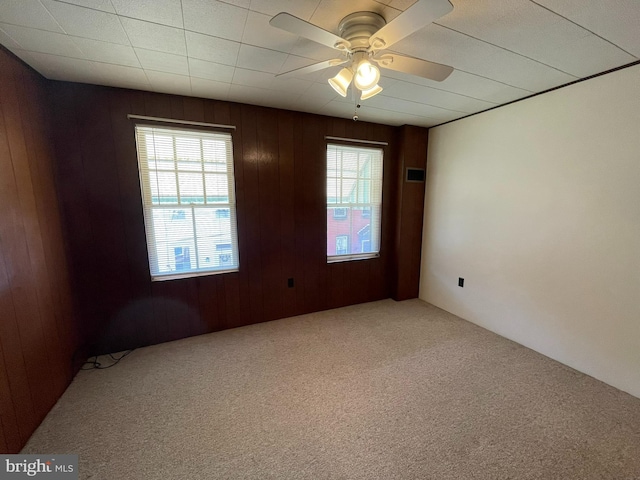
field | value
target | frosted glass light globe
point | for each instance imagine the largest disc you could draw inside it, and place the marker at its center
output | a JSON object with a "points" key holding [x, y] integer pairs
{"points": [[366, 76]]}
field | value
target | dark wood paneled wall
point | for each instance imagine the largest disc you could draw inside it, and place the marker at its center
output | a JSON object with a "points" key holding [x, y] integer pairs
{"points": [[410, 208], [75, 277], [280, 182], [37, 330]]}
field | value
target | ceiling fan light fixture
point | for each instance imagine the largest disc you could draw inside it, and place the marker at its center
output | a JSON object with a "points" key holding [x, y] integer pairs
{"points": [[367, 75], [340, 83], [376, 89], [364, 39]]}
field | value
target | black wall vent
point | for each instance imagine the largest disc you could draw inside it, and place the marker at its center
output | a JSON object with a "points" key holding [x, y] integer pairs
{"points": [[415, 175]]}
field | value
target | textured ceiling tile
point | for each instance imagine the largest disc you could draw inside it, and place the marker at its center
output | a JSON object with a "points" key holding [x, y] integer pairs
{"points": [[251, 78], [8, 42], [84, 22], [390, 12], [402, 4], [166, 12], [28, 13], [375, 115], [48, 73], [299, 8], [110, 82], [387, 81], [469, 85], [212, 49], [64, 68], [169, 82], [411, 107], [214, 18], [209, 89], [534, 32], [311, 105], [255, 58], [475, 15], [155, 37], [210, 71], [162, 62], [239, 3], [25, 57], [42, 41], [322, 91], [337, 108], [617, 21], [437, 98], [294, 86], [258, 32], [261, 96], [520, 72], [397, 105], [587, 56], [481, 88], [498, 21], [104, 5], [549, 44], [442, 45], [107, 52], [127, 77]]}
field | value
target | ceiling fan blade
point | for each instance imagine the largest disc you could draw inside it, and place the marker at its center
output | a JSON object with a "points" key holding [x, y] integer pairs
{"points": [[418, 15], [314, 67], [305, 29], [413, 66]]}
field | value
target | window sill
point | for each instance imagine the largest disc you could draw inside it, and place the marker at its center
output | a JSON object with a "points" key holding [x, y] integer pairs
{"points": [[349, 258], [176, 276]]}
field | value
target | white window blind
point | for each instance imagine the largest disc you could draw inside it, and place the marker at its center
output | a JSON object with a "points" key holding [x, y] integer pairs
{"points": [[188, 194], [354, 202]]}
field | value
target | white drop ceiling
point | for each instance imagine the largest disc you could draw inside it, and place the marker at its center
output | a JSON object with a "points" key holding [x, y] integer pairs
{"points": [[502, 50]]}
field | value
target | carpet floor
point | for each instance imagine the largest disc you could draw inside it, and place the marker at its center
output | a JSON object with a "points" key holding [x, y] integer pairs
{"points": [[384, 390]]}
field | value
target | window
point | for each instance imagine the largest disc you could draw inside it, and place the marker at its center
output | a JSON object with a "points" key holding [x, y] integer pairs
{"points": [[354, 202], [178, 215], [188, 194], [342, 244], [364, 237], [339, 213]]}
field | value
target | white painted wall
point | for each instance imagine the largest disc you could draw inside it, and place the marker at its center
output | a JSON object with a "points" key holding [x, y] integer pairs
{"points": [[537, 206]]}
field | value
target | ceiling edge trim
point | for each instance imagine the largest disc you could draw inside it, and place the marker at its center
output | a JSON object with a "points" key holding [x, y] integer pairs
{"points": [[595, 75]]}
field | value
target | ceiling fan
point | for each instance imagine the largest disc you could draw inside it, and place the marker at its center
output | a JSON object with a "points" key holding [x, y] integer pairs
{"points": [[364, 37]]}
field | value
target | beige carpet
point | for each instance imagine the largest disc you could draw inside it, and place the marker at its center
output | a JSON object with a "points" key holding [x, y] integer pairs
{"points": [[382, 390]]}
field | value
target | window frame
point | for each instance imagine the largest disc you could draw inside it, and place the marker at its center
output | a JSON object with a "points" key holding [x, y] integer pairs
{"points": [[352, 207], [148, 207], [344, 238], [342, 215]]}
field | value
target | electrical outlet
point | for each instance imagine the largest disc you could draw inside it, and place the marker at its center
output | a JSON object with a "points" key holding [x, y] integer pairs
{"points": [[460, 282], [290, 283]]}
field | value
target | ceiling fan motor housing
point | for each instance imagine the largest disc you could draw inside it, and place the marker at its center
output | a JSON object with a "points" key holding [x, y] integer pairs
{"points": [[358, 27]]}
